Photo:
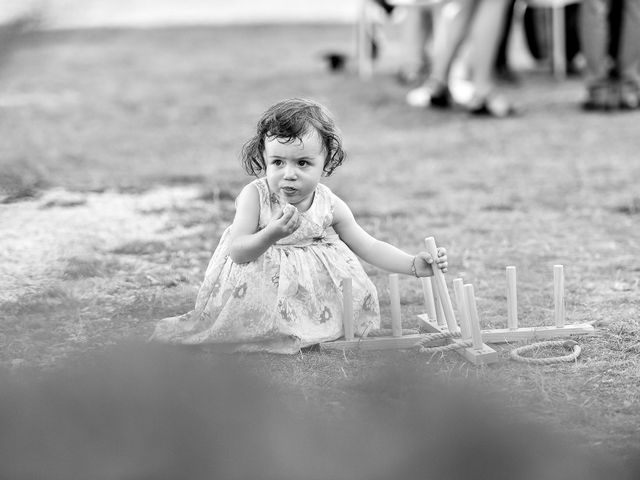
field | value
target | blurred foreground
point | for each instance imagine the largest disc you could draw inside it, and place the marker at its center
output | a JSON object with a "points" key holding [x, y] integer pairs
{"points": [[151, 412]]}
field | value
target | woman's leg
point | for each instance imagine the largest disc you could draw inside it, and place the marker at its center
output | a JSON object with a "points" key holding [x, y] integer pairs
{"points": [[417, 34], [484, 39], [594, 36], [451, 28], [451, 23], [629, 54]]}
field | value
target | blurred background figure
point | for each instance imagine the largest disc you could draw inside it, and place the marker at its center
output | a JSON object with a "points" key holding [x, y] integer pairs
{"points": [[418, 34], [536, 24], [612, 72], [502, 68], [479, 25]]}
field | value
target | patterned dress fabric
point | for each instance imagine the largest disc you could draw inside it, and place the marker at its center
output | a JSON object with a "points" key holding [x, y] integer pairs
{"points": [[288, 298]]}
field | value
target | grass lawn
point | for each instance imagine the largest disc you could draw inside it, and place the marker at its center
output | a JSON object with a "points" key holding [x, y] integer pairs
{"points": [[142, 130]]}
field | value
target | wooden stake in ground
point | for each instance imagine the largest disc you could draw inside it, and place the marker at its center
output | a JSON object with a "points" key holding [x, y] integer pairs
{"points": [[347, 307], [463, 309], [558, 294], [429, 301], [375, 341], [441, 286], [479, 353], [512, 299], [474, 319], [394, 298], [559, 329]]}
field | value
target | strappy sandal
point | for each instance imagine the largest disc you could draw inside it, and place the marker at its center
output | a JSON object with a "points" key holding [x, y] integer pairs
{"points": [[600, 98], [492, 105], [629, 96], [431, 94]]}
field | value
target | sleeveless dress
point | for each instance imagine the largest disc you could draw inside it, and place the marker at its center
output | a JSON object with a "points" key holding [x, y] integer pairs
{"points": [[288, 298]]}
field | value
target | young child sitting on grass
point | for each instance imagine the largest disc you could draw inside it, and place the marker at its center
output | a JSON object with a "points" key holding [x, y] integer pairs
{"points": [[274, 281]]}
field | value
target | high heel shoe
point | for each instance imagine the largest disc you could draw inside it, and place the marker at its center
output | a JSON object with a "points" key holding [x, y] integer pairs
{"points": [[629, 93], [431, 94], [492, 105]]}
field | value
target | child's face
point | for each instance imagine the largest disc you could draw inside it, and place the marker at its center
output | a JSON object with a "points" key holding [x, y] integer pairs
{"points": [[294, 169]]}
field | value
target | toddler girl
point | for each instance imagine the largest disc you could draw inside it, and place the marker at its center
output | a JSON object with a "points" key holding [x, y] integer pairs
{"points": [[274, 281]]}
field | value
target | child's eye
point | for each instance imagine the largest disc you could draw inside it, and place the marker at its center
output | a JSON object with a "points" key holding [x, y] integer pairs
{"points": [[276, 162], [303, 163]]}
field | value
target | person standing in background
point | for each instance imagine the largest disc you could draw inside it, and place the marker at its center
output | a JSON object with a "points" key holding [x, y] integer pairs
{"points": [[479, 24], [418, 33], [611, 83]]}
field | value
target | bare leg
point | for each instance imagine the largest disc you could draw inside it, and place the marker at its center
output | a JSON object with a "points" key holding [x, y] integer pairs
{"points": [[451, 27], [484, 41], [451, 24], [594, 36], [417, 32], [630, 42], [629, 55]]}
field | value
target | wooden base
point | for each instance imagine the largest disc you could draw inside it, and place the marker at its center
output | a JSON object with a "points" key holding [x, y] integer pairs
{"points": [[505, 335], [482, 356], [381, 343], [478, 356]]}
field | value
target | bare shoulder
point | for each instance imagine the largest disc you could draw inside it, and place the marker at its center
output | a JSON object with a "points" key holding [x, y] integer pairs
{"points": [[247, 210], [248, 195], [341, 211]]}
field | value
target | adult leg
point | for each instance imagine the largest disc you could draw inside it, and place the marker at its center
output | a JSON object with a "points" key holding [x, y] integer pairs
{"points": [[451, 23], [484, 37], [615, 27], [572, 24], [451, 28], [503, 69], [417, 34], [629, 54], [594, 37]]}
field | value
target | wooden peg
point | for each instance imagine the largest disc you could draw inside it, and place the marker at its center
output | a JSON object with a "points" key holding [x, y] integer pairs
{"points": [[558, 294], [440, 319], [479, 353], [512, 299], [463, 309], [474, 324], [441, 286], [429, 301], [394, 296]]}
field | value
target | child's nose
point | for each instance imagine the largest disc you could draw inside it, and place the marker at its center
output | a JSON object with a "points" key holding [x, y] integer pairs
{"points": [[290, 172]]}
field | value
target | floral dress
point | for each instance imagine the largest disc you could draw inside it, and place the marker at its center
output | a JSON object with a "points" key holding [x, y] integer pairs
{"points": [[288, 298]]}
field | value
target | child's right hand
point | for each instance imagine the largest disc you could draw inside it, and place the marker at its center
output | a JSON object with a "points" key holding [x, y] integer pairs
{"points": [[284, 222]]}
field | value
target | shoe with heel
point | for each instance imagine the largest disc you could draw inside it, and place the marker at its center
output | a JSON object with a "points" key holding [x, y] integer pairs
{"points": [[430, 94]]}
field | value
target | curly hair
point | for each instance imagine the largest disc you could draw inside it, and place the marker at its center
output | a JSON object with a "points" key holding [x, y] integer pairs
{"points": [[290, 120]]}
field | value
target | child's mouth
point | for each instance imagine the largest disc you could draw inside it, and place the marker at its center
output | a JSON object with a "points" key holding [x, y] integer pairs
{"points": [[289, 190]]}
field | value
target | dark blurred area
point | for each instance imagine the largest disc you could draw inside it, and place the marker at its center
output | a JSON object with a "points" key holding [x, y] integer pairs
{"points": [[12, 30], [154, 412]]}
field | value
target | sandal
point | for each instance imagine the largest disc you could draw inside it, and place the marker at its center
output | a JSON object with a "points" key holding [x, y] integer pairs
{"points": [[600, 98], [492, 105], [629, 96], [432, 94]]}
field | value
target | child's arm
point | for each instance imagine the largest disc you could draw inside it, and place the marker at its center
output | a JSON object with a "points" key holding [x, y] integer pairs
{"points": [[378, 253], [247, 242]]}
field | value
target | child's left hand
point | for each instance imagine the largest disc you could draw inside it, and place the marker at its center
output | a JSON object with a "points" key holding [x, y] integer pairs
{"points": [[424, 261]]}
